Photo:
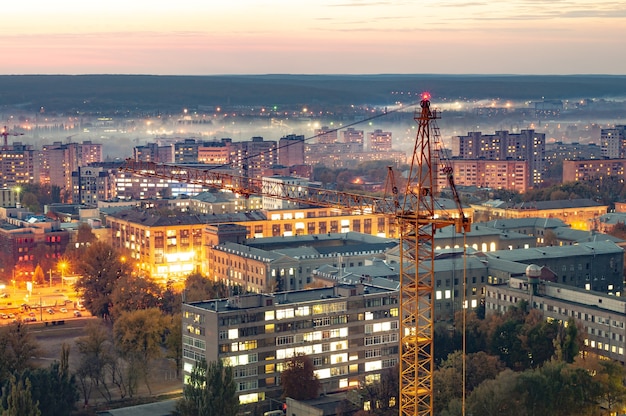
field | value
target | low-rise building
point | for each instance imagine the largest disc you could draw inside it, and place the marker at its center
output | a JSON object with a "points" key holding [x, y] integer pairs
{"points": [[602, 316]]}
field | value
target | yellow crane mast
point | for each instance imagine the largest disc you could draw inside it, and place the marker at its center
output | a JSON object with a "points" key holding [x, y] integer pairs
{"points": [[414, 211]]}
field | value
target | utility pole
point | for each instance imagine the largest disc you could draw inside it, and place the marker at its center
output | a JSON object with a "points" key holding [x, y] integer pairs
{"points": [[50, 272]]}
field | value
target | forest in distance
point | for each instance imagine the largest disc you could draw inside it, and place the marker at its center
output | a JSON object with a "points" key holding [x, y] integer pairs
{"points": [[63, 93]]}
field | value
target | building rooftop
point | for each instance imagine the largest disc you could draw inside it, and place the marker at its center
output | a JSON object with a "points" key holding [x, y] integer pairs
{"points": [[534, 222], [559, 204], [535, 254], [150, 219], [283, 298]]}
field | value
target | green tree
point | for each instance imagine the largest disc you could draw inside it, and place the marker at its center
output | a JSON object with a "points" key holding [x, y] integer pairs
{"points": [[298, 379], [18, 398], [17, 348], [100, 268], [211, 391], [54, 388], [30, 201], [558, 389], [497, 397], [506, 344], [138, 336]]}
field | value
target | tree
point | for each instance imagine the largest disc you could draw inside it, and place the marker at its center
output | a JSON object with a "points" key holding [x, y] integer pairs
{"points": [[198, 287], [298, 379], [95, 356], [54, 388], [497, 397], [19, 401], [101, 267], [137, 336], [85, 235], [383, 394], [38, 276], [174, 341], [211, 391], [132, 293], [17, 348]]}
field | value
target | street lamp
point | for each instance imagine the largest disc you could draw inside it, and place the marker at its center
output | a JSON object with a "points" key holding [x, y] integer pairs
{"points": [[62, 265], [17, 193]]}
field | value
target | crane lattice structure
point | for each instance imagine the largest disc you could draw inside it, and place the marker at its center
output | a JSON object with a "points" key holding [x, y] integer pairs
{"points": [[5, 133], [414, 211]]}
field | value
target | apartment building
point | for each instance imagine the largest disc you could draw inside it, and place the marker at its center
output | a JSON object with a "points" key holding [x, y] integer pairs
{"points": [[27, 240], [527, 145], [350, 332], [590, 169], [18, 165], [497, 174], [92, 184]]}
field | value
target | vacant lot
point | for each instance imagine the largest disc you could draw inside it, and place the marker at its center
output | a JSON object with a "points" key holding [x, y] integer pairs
{"points": [[52, 337]]}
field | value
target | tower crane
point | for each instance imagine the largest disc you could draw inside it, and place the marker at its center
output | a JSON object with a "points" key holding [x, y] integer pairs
{"points": [[414, 210], [6, 133]]}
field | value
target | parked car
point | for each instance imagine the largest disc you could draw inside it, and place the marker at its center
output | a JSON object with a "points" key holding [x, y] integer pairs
{"points": [[77, 314], [63, 310], [4, 316], [50, 311]]}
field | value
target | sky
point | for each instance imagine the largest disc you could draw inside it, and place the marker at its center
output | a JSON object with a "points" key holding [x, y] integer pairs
{"points": [[215, 37]]}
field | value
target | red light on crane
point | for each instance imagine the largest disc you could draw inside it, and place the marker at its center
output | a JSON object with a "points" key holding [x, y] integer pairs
{"points": [[425, 96]]}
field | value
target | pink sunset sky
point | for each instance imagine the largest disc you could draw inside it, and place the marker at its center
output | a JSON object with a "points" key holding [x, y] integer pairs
{"points": [[208, 37]]}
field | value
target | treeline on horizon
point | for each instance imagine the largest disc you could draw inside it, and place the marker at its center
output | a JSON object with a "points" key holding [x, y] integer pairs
{"points": [[131, 93]]}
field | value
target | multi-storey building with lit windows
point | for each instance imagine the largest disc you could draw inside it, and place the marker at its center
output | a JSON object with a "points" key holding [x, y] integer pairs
{"points": [[287, 263], [579, 214], [27, 240], [59, 160], [590, 169], [350, 332], [613, 142], [526, 145], [18, 165], [92, 184], [380, 141], [601, 315], [161, 246], [326, 135], [496, 174]]}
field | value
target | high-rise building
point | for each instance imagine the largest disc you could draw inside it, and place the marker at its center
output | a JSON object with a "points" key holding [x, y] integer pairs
{"points": [[380, 141], [18, 165], [613, 142], [326, 135], [526, 145], [497, 174], [354, 138], [92, 184], [59, 160], [252, 157], [291, 150], [153, 152]]}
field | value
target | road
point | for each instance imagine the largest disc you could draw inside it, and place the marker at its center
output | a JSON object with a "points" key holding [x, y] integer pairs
{"points": [[21, 304]]}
